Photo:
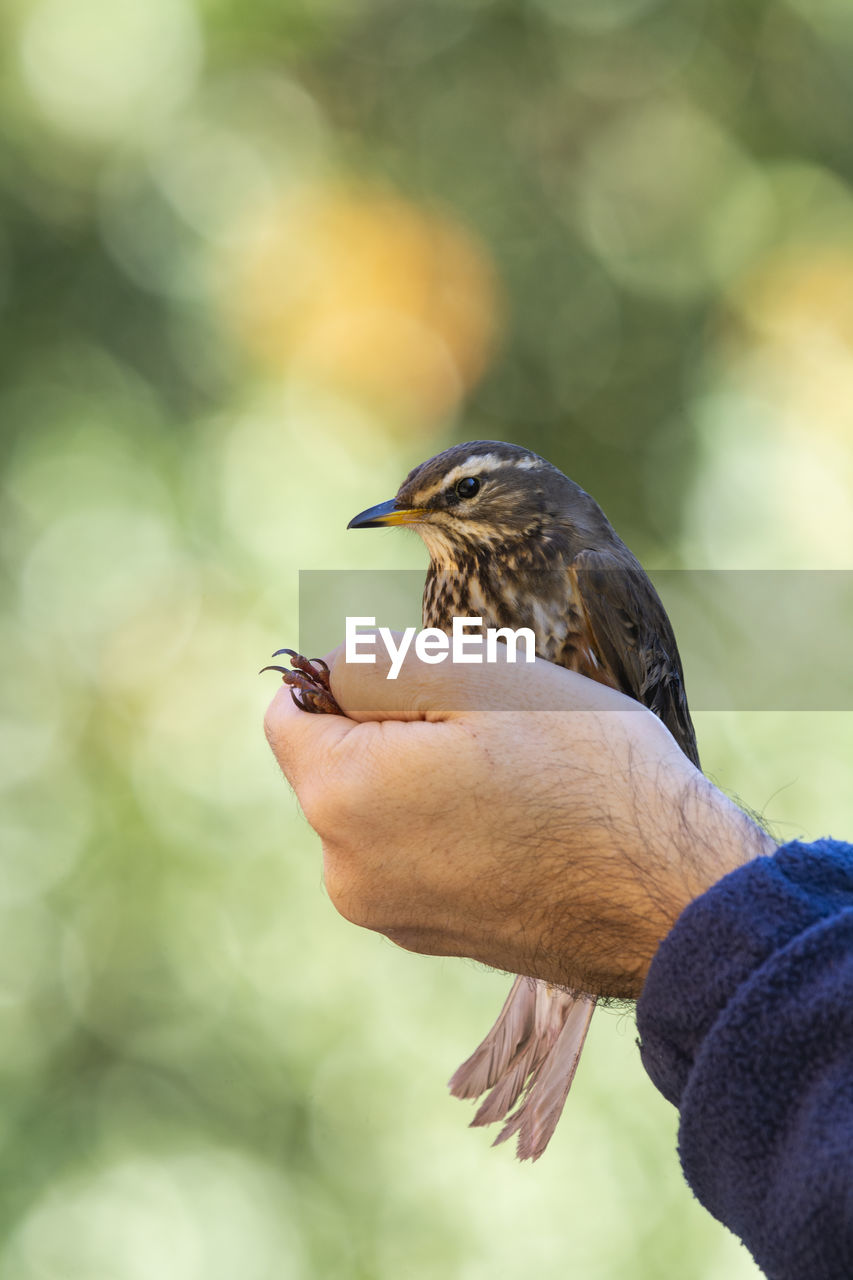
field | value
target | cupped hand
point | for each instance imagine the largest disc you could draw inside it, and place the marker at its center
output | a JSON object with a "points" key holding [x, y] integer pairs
{"points": [[519, 814]]}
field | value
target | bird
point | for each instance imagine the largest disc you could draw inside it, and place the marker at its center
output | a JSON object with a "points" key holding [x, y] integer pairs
{"points": [[515, 542]]}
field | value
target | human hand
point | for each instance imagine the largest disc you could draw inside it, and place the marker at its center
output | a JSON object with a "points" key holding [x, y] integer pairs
{"points": [[561, 840]]}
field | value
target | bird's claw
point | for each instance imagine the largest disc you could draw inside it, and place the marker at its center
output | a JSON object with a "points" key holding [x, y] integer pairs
{"points": [[308, 665], [308, 683]]}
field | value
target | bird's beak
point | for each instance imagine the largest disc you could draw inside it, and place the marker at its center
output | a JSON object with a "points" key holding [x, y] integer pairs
{"points": [[384, 514]]}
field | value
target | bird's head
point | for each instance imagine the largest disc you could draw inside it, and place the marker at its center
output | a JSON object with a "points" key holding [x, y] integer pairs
{"points": [[488, 496]]}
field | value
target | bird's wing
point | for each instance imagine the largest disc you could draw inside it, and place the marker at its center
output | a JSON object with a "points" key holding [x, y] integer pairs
{"points": [[634, 638]]}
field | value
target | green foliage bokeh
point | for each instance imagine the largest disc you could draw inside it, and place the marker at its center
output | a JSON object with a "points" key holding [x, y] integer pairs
{"points": [[256, 261]]}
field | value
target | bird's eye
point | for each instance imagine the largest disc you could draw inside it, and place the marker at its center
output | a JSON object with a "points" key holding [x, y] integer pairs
{"points": [[468, 486]]}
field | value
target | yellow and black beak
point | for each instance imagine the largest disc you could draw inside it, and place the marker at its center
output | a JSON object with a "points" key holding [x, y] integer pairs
{"points": [[386, 513]]}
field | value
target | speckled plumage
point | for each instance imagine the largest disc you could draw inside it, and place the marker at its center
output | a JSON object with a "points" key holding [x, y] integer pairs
{"points": [[533, 549]]}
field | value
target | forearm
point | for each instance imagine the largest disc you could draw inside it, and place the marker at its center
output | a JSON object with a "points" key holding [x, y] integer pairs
{"points": [[680, 836]]}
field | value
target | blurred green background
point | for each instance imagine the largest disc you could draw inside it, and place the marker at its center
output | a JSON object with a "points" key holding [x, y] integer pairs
{"points": [[257, 260]]}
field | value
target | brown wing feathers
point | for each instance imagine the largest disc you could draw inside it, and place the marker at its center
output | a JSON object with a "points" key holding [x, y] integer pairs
{"points": [[634, 638]]}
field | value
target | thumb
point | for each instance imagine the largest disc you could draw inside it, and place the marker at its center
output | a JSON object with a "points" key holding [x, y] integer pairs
{"points": [[408, 688]]}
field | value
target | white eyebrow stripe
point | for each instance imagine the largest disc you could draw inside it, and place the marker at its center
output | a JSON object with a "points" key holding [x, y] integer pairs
{"points": [[477, 464]]}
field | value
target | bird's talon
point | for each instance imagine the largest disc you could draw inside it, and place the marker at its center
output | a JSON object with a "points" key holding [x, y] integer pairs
{"points": [[309, 687], [308, 666]]}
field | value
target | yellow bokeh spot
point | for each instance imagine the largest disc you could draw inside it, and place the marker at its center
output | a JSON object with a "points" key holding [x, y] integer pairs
{"points": [[808, 289], [365, 291], [798, 305]]}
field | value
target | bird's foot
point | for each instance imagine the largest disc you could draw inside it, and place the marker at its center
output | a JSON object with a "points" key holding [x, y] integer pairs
{"points": [[308, 683]]}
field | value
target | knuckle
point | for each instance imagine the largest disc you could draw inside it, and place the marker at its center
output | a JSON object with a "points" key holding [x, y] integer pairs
{"points": [[343, 886], [406, 940], [330, 802], [334, 804], [272, 724], [311, 802]]}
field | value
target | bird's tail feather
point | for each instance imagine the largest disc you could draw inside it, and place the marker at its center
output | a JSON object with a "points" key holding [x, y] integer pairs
{"points": [[531, 1054]]}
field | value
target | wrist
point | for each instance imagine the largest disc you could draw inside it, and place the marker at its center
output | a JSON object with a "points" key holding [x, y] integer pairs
{"points": [[709, 837], [672, 836]]}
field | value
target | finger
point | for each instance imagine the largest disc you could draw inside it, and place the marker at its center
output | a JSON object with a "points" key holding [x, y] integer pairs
{"points": [[300, 741], [411, 689]]}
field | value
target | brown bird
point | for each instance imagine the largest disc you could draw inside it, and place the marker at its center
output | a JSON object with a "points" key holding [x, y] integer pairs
{"points": [[516, 543]]}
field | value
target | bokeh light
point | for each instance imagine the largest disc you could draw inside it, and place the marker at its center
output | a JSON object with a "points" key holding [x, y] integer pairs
{"points": [[103, 69], [256, 261], [362, 290]]}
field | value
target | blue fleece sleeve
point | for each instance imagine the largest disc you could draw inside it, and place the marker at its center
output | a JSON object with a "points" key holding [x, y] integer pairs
{"points": [[746, 1025]]}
